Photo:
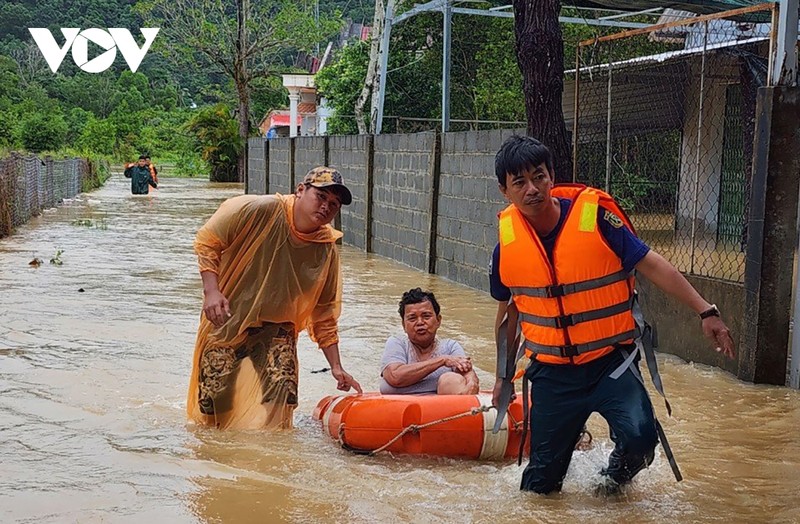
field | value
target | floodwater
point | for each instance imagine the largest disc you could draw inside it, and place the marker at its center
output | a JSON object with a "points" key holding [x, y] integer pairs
{"points": [[94, 364]]}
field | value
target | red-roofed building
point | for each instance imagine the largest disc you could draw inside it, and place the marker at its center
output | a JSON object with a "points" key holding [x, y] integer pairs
{"points": [[310, 111], [302, 104]]}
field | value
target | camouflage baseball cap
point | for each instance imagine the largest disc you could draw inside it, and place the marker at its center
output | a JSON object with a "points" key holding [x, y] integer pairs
{"points": [[327, 177]]}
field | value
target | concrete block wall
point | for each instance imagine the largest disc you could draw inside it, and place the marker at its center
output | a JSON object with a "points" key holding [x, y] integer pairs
{"points": [[309, 152], [280, 166], [256, 166], [469, 201], [350, 155], [402, 197]]}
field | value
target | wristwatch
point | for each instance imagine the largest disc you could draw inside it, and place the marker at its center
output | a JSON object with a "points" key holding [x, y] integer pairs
{"points": [[713, 311]]}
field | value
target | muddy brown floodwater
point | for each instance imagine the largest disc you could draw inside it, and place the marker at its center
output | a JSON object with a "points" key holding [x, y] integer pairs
{"points": [[93, 385]]}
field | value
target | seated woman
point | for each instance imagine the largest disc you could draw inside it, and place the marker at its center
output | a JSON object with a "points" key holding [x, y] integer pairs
{"points": [[419, 363]]}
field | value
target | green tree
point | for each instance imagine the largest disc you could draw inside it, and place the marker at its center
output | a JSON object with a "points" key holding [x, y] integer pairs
{"points": [[93, 93], [498, 83], [76, 119], [98, 136], [340, 83], [485, 79], [268, 94], [6, 129], [244, 40], [42, 132], [408, 92], [218, 141]]}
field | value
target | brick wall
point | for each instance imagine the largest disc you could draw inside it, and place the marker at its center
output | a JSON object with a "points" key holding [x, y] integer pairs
{"points": [[469, 201], [402, 197], [309, 152], [280, 166], [256, 166], [350, 155]]}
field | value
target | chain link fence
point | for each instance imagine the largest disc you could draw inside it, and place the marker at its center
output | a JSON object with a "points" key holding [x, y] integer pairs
{"points": [[29, 184], [664, 121]]}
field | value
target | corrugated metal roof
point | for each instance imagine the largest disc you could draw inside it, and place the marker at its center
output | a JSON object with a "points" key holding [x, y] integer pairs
{"points": [[642, 101], [693, 6], [669, 55], [672, 34]]}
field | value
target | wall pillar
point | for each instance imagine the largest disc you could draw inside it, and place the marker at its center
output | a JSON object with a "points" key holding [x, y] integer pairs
{"points": [[294, 100], [772, 236]]}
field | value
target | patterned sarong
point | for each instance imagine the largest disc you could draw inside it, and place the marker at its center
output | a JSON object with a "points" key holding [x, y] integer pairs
{"points": [[269, 354]]}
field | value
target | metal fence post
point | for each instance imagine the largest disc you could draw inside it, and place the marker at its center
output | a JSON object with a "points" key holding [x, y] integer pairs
{"points": [[370, 182], [575, 113], [608, 130], [699, 147], [434, 170]]}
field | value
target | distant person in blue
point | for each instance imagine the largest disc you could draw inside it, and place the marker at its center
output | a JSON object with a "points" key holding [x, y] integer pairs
{"points": [[141, 176], [562, 270], [418, 362]]}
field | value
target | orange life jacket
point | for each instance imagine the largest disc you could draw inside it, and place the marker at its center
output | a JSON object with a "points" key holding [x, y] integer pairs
{"points": [[578, 308]]}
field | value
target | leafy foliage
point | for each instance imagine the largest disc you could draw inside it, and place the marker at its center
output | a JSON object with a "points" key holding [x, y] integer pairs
{"points": [[97, 136], [218, 141], [120, 113], [244, 41], [39, 132]]}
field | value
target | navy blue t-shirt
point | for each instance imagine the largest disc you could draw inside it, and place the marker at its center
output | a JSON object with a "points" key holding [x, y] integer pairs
{"points": [[627, 246]]}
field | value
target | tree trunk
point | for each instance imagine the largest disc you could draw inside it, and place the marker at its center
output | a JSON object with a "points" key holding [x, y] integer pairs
{"points": [[370, 82], [244, 132], [540, 56], [242, 88]]}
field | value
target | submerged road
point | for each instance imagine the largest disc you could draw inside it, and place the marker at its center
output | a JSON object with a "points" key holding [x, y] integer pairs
{"points": [[95, 354]]}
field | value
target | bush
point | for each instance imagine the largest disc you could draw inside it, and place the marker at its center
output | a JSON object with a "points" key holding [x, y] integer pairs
{"points": [[190, 164], [98, 136], [6, 129], [39, 132], [99, 170], [217, 133]]}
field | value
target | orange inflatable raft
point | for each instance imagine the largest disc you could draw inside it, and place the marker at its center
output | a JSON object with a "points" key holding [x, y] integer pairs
{"points": [[439, 425]]}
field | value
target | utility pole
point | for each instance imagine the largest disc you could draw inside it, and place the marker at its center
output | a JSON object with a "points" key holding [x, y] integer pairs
{"points": [[447, 30]]}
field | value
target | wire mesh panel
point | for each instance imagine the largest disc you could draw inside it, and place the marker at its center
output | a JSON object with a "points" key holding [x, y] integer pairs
{"points": [[21, 201], [664, 121], [29, 185], [8, 171], [59, 182]]}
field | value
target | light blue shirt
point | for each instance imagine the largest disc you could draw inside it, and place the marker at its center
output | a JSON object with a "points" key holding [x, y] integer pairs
{"points": [[398, 351]]}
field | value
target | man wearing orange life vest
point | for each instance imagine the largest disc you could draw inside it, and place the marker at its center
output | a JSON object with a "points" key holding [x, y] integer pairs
{"points": [[563, 267], [152, 166]]}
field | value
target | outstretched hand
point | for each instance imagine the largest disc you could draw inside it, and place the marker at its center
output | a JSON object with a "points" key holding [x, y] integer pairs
{"points": [[217, 308], [344, 381], [720, 336]]}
